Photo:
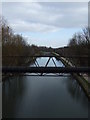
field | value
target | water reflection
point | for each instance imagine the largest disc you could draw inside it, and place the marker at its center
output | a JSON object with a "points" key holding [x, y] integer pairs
{"points": [[76, 91], [43, 97], [12, 89]]}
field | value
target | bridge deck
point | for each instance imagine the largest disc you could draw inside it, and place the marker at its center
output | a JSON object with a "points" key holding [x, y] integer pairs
{"points": [[20, 69]]}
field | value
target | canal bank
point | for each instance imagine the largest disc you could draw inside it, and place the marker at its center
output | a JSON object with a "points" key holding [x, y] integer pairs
{"points": [[79, 77]]}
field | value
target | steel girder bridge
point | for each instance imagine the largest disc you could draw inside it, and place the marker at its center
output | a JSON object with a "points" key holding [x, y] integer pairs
{"points": [[44, 70]]}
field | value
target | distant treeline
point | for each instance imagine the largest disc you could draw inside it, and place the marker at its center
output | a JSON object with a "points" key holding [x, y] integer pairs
{"points": [[15, 45], [79, 45]]}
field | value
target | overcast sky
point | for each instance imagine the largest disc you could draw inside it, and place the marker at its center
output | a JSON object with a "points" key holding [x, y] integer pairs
{"points": [[46, 23]]}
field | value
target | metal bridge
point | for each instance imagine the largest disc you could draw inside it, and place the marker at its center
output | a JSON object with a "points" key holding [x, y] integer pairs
{"points": [[42, 70], [50, 71]]}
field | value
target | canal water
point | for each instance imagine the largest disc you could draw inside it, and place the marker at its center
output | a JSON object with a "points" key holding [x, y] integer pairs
{"points": [[43, 97]]}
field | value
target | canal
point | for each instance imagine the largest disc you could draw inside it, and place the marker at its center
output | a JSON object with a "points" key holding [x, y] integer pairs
{"points": [[43, 97]]}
